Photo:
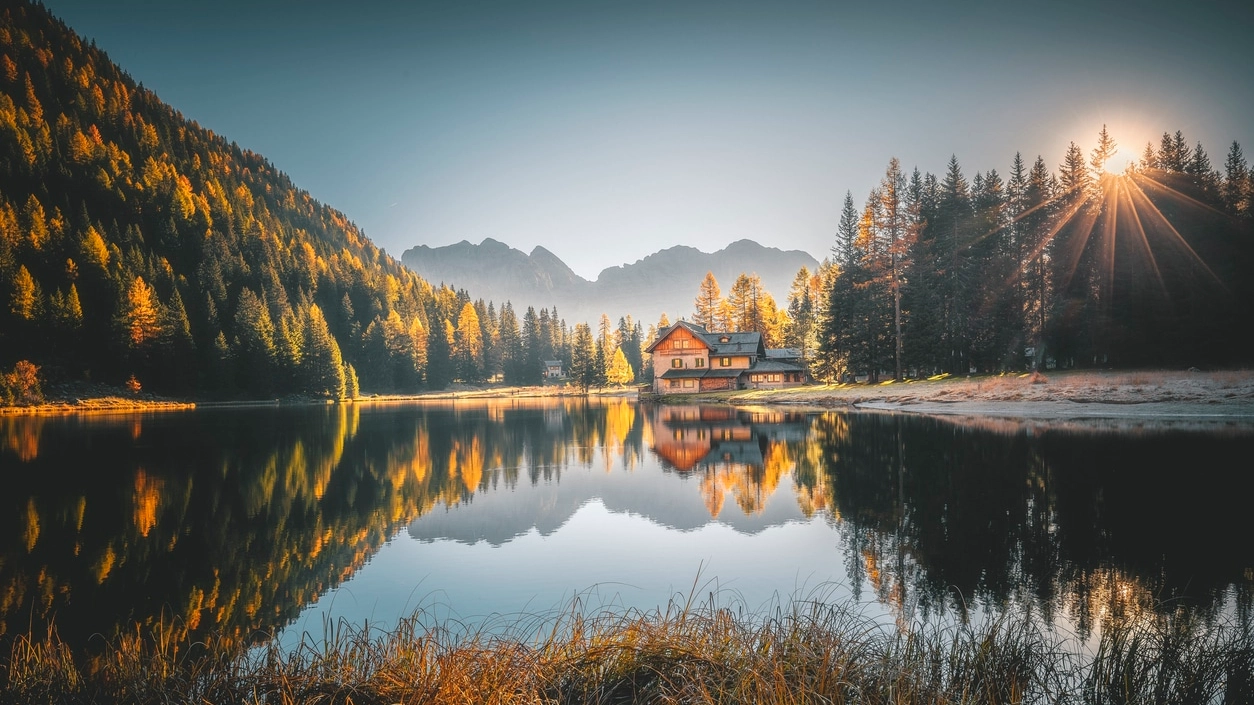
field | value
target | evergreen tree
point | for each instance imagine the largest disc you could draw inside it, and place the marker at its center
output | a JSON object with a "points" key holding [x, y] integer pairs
{"points": [[1102, 153], [1236, 181], [583, 366], [800, 313], [1149, 160], [439, 363], [323, 364], [253, 351], [533, 363], [709, 297], [1074, 174], [511, 344], [600, 368], [893, 225]]}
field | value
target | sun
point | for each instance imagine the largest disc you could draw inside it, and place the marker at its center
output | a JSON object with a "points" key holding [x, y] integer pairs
{"points": [[1121, 161]]}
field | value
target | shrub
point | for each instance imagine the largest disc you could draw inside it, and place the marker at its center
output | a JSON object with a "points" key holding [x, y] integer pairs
{"points": [[21, 386]]}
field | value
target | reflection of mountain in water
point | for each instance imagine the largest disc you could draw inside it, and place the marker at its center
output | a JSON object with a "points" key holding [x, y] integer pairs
{"points": [[706, 453], [232, 521]]}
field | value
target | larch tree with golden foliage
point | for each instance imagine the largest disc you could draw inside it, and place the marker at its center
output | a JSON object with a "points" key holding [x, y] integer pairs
{"points": [[620, 372], [708, 303], [140, 317], [468, 345]]}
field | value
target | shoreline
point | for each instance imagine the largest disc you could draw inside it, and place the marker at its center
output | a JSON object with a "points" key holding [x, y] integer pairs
{"points": [[1063, 396]]}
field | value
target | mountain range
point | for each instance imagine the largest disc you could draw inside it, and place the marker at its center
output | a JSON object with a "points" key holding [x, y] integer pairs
{"points": [[664, 282]]}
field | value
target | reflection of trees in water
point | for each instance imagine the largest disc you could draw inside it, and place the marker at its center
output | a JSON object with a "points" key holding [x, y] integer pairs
{"points": [[937, 515], [236, 520]]}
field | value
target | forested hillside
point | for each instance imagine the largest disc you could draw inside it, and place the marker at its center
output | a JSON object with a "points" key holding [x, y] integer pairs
{"points": [[135, 243]]}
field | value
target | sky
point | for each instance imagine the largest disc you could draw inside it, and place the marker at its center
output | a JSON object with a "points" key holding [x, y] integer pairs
{"points": [[605, 131]]}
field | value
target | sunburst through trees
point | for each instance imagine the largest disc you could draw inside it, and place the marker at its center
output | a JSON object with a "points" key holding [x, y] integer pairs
{"points": [[1091, 266]]}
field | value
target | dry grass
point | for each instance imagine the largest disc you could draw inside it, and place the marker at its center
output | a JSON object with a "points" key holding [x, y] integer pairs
{"points": [[1233, 389], [809, 653]]}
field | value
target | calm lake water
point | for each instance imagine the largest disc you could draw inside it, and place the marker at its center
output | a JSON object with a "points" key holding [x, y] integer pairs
{"points": [[254, 521]]}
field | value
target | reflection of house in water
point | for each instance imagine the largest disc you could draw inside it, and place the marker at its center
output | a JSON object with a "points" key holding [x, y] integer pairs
{"points": [[742, 451]]}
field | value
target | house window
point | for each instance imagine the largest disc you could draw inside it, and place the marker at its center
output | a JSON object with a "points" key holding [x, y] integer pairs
{"points": [[776, 378], [681, 343], [700, 362], [724, 362], [688, 384], [674, 383], [677, 362]]}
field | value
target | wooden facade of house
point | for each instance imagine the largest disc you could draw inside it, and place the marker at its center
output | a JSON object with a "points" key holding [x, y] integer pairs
{"points": [[688, 359]]}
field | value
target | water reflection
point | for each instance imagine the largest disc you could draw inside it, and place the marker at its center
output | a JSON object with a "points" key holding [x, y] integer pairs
{"points": [[236, 520]]}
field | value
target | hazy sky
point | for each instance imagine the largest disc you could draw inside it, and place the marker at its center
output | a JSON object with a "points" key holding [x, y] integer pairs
{"points": [[605, 131]]}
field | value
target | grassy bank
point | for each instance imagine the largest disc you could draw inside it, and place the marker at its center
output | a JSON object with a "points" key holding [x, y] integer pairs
{"points": [[811, 653]]}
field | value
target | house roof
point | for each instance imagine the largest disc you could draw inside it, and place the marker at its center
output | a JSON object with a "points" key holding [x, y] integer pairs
{"points": [[749, 343], [784, 353], [697, 330], [723, 372], [737, 343], [765, 365], [552, 363], [684, 373]]}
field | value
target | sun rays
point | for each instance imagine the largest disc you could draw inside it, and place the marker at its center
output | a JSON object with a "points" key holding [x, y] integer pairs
{"points": [[1105, 217]]}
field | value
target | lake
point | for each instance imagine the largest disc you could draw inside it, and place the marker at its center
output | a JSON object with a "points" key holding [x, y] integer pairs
{"points": [[249, 522]]}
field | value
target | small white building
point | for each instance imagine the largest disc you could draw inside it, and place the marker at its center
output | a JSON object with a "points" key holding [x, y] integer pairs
{"points": [[553, 369]]}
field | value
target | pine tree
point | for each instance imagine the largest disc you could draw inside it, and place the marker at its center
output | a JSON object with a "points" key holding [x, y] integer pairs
{"points": [[323, 364], [1074, 174], [532, 363], [954, 218], [439, 364], [1236, 181], [512, 353], [1036, 261], [352, 389], [1102, 153], [800, 313], [1149, 160], [893, 225], [583, 358], [600, 368], [837, 332], [254, 344], [846, 233], [707, 304]]}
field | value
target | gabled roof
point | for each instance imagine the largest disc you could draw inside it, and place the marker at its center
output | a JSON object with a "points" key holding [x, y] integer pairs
{"points": [[699, 332], [552, 363], [749, 343], [734, 343]]}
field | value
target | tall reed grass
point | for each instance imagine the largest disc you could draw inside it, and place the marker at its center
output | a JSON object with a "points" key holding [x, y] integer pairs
{"points": [[809, 652]]}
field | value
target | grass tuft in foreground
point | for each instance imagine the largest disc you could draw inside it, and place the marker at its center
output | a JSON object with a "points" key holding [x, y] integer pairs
{"points": [[809, 653]]}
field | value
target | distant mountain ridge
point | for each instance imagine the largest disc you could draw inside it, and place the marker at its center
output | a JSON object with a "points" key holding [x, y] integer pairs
{"points": [[665, 281]]}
